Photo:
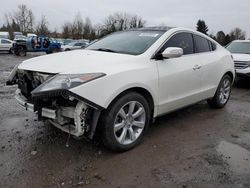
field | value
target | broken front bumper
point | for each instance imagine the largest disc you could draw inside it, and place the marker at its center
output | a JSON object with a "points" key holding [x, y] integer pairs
{"points": [[52, 115], [22, 101]]}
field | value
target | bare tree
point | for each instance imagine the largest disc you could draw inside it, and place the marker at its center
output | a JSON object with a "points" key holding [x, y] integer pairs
{"points": [[24, 18], [88, 30], [237, 34], [42, 27], [66, 30], [119, 22], [77, 27]]}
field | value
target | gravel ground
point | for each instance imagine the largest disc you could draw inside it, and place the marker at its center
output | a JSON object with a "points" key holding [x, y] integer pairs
{"points": [[193, 147]]}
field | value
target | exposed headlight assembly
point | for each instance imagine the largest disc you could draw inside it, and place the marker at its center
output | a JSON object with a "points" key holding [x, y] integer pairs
{"points": [[65, 82]]}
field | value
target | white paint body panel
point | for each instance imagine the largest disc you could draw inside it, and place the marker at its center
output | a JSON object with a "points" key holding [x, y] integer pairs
{"points": [[5, 46], [173, 83]]}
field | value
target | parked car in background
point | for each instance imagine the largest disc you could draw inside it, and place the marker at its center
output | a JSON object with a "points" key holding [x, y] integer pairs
{"points": [[74, 46], [6, 45], [123, 81], [67, 41], [4, 35], [36, 44], [240, 50]]}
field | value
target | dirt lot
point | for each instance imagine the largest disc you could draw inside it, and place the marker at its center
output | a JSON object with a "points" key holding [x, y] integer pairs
{"points": [[193, 147]]}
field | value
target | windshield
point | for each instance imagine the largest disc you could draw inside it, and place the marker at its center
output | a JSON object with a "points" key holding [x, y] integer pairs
{"points": [[239, 47], [127, 42]]}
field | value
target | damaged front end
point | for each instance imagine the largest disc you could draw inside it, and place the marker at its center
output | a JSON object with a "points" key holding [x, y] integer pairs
{"points": [[50, 97]]}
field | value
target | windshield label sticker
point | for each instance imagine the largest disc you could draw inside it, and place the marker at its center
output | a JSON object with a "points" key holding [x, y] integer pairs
{"points": [[148, 35]]}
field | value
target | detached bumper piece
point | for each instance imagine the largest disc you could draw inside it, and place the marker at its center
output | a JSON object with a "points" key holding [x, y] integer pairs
{"points": [[22, 101], [79, 117]]}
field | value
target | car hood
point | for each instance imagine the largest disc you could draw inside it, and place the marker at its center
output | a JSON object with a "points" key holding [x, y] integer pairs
{"points": [[79, 61], [241, 57]]}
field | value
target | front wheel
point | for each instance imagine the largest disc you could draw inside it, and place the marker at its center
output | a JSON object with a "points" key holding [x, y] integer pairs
{"points": [[125, 122], [222, 94]]}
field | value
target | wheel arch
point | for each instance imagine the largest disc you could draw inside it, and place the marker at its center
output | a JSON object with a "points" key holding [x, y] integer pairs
{"points": [[229, 73], [144, 92]]}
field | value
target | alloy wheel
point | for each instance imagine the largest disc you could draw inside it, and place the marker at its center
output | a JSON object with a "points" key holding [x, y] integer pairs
{"points": [[129, 122]]}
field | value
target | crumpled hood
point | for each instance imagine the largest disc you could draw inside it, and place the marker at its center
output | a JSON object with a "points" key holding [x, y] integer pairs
{"points": [[79, 61], [241, 57]]}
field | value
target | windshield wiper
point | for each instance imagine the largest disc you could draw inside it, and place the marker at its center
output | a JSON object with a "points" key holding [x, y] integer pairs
{"points": [[105, 50]]}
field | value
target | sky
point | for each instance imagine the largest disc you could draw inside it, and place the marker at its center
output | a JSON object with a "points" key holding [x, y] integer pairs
{"points": [[218, 14]]}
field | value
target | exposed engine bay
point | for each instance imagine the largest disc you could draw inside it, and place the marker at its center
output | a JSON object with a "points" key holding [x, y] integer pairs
{"points": [[61, 108]]}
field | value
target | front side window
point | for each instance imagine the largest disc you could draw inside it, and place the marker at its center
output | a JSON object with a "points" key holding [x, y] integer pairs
{"points": [[128, 42], [181, 40], [201, 44], [6, 42]]}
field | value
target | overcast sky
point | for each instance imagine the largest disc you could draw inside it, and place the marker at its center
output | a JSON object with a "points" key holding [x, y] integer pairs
{"points": [[218, 14]]}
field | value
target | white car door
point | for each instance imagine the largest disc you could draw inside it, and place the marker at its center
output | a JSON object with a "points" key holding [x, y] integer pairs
{"points": [[211, 66], [5, 45], [179, 78]]}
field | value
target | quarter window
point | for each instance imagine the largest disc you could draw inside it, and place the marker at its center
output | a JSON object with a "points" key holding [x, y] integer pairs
{"points": [[201, 44], [181, 40]]}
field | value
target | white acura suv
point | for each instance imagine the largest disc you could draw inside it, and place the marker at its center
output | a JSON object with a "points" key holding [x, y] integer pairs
{"points": [[240, 50], [121, 82]]}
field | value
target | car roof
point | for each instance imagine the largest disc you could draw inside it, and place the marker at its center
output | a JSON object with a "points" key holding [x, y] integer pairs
{"points": [[163, 28]]}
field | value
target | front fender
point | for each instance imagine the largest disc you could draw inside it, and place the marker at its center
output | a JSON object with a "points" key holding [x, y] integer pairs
{"points": [[104, 90]]}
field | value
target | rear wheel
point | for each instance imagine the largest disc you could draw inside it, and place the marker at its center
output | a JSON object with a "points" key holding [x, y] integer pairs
{"points": [[125, 122], [21, 51], [222, 94]]}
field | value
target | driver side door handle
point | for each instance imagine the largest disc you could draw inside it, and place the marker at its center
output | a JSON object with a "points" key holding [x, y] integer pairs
{"points": [[196, 67]]}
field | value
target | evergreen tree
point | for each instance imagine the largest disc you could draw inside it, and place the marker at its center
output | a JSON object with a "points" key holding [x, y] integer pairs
{"points": [[202, 27]]}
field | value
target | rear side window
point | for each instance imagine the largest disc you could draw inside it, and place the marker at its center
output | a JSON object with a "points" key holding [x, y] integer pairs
{"points": [[181, 40], [201, 44]]}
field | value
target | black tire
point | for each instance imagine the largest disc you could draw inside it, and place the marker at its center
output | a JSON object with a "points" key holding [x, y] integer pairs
{"points": [[110, 115], [216, 102], [11, 51], [67, 49], [21, 51]]}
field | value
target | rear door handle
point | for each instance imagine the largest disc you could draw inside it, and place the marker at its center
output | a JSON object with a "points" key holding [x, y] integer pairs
{"points": [[196, 67]]}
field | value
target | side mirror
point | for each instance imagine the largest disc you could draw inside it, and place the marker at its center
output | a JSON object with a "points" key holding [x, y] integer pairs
{"points": [[172, 52]]}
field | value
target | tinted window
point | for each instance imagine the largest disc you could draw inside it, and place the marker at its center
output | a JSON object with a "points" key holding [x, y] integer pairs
{"points": [[181, 40], [212, 45], [201, 44], [6, 42]]}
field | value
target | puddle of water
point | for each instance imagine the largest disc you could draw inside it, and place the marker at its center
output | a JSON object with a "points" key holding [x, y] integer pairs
{"points": [[237, 157]]}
